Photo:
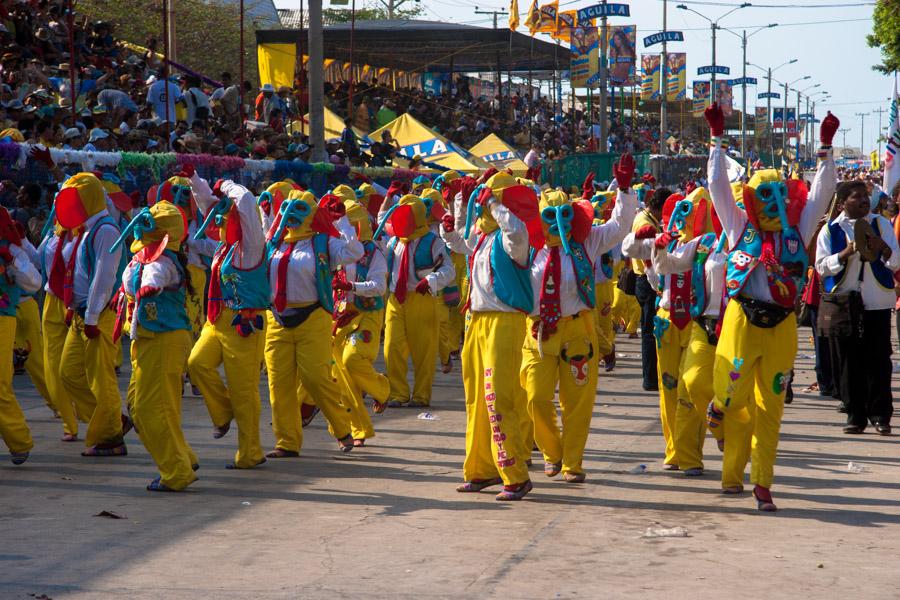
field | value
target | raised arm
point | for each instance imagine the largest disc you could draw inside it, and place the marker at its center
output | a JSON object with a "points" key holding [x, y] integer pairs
{"points": [[733, 219], [825, 182]]}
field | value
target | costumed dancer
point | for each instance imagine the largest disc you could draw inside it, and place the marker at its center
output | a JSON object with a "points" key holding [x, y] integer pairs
{"points": [[308, 241], [419, 267], [691, 254], [233, 335], [29, 344], [360, 288], [496, 240], [89, 356], [17, 275], [765, 272], [155, 284], [561, 337]]}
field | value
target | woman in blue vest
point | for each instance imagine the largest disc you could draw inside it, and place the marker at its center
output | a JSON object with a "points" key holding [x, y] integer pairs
{"points": [[360, 288], [17, 275], [309, 241], [561, 338], [233, 334], [765, 272], [89, 356], [419, 267], [155, 283]]}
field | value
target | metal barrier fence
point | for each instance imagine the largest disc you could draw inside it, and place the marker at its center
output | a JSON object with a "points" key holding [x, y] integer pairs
{"points": [[570, 171]]}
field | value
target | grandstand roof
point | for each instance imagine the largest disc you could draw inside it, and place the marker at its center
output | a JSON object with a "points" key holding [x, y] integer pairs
{"points": [[410, 45]]}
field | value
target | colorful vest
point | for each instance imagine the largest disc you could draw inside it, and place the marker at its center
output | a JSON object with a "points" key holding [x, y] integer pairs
{"points": [[883, 275], [584, 274], [89, 257], [164, 311], [510, 282], [365, 303], [745, 257], [699, 301], [422, 257], [10, 293], [243, 289]]}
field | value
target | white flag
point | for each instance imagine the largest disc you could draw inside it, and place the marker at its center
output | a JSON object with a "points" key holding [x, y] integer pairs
{"points": [[892, 151]]}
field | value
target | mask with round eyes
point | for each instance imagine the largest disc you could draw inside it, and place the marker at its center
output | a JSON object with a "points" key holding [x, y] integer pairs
{"points": [[294, 220], [774, 203], [603, 203], [220, 216], [160, 227], [556, 219]]}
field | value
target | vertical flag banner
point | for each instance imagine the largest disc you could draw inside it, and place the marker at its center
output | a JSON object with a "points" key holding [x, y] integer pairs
{"points": [[622, 54], [892, 150], [724, 96], [792, 120], [650, 76], [514, 15], [565, 23], [585, 50], [549, 13], [873, 159], [701, 96], [533, 18], [777, 118], [676, 75], [761, 118]]}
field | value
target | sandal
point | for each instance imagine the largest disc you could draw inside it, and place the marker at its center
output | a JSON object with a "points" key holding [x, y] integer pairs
{"points": [[552, 469], [97, 451], [514, 493], [346, 443], [359, 442], [693, 472], [69, 437], [397, 403], [379, 407], [854, 429], [158, 486], [574, 477], [714, 416], [721, 445], [670, 467], [127, 425], [308, 412], [476, 485], [221, 431], [17, 458], [232, 466], [764, 501], [418, 403], [281, 453], [733, 490], [447, 367]]}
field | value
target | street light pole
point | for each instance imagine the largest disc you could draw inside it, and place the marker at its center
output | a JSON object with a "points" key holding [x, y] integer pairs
{"points": [[862, 132], [664, 87], [604, 75], [744, 99], [784, 127]]}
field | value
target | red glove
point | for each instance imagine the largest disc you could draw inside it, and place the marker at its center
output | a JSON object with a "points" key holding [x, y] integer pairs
{"points": [[484, 196], [623, 171], [466, 187], [716, 119], [42, 155], [422, 287], [91, 331], [663, 240], [334, 207], [487, 175], [395, 188], [645, 233], [447, 222], [830, 125], [6, 255], [587, 187], [187, 170], [217, 189], [341, 284]]}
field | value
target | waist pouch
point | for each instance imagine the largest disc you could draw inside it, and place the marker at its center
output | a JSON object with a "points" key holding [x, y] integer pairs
{"points": [[763, 314], [709, 325], [294, 317], [840, 315]]}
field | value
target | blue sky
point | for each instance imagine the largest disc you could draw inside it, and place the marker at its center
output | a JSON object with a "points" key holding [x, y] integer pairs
{"points": [[831, 49]]}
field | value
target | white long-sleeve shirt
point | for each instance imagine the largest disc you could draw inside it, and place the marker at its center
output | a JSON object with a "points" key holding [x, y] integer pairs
{"points": [[440, 277], [681, 259], [513, 236], [161, 273], [376, 278], [734, 219], [301, 272], [601, 239], [94, 294], [198, 248], [874, 296], [23, 271], [250, 247]]}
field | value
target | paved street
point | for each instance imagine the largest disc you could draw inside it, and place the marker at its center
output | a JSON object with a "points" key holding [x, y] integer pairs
{"points": [[385, 521]]}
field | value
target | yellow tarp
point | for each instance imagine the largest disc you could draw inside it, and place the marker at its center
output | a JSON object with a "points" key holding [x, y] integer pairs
{"points": [[334, 126], [416, 139], [499, 154], [276, 64]]}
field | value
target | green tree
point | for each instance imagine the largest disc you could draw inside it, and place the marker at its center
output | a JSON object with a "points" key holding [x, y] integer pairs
{"points": [[886, 34], [374, 11], [207, 33]]}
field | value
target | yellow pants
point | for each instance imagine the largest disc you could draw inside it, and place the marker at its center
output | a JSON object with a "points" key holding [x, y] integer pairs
{"points": [[570, 359], [355, 349], [88, 372], [220, 344], [194, 302], [54, 332], [670, 352], [496, 405], [411, 331], [606, 338], [693, 398], [13, 427], [625, 308], [752, 370], [29, 338], [301, 357], [159, 362]]}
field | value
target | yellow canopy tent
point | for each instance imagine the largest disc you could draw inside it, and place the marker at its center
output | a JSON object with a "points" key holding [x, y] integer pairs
{"points": [[416, 139], [499, 154], [334, 126]]}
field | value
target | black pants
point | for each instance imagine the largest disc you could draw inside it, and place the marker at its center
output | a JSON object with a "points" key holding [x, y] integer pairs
{"points": [[646, 297], [824, 375], [864, 370]]}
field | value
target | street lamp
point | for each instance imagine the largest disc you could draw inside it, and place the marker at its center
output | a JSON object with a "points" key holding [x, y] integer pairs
{"points": [[785, 115], [799, 92], [713, 25], [769, 129]]}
